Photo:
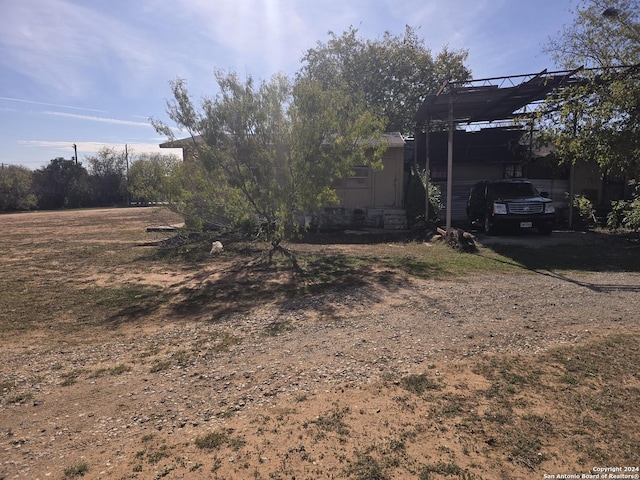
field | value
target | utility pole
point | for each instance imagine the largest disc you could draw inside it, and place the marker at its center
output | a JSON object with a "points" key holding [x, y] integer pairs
{"points": [[75, 149], [450, 162], [126, 159]]}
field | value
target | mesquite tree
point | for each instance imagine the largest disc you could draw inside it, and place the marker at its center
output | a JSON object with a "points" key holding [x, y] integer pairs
{"points": [[598, 119], [263, 153]]}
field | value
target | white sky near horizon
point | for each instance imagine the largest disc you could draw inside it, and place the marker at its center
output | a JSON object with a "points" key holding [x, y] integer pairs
{"points": [[93, 72]]}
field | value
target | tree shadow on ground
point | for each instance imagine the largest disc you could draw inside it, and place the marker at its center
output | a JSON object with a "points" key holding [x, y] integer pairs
{"points": [[596, 287], [245, 286], [355, 237], [605, 253], [593, 258], [129, 302], [306, 273]]}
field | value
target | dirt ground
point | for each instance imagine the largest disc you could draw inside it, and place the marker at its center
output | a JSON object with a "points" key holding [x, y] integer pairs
{"points": [[420, 378]]}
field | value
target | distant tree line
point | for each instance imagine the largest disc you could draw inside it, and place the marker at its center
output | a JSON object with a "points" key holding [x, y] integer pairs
{"points": [[106, 181]]}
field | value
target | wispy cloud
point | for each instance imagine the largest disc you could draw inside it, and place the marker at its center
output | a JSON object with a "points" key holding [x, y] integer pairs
{"points": [[59, 145], [67, 47], [70, 107], [65, 148], [260, 37], [113, 121]]}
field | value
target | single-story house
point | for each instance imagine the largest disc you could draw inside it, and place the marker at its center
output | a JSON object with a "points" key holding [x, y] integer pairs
{"points": [[369, 197]]}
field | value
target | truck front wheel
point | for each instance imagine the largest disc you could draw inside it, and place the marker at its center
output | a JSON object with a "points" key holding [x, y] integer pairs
{"points": [[488, 228]]}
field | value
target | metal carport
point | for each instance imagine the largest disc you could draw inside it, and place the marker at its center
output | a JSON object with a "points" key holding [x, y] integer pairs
{"points": [[485, 100]]}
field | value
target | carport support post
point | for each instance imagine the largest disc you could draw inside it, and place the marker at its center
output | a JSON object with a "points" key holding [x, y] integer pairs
{"points": [[572, 193], [450, 161], [426, 172], [572, 174]]}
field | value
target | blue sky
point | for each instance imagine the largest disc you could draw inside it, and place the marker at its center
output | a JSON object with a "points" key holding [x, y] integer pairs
{"points": [[92, 72]]}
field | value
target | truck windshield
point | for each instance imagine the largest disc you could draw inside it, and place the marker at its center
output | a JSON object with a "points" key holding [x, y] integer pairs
{"points": [[511, 190]]}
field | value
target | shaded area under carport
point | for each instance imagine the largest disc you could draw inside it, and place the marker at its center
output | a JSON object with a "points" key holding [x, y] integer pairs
{"points": [[484, 101]]}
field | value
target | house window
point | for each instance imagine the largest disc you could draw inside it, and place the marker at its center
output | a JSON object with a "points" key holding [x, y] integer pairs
{"points": [[512, 170], [359, 179]]}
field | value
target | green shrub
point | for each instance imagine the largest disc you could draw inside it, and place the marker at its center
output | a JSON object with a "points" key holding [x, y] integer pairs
{"points": [[212, 440], [616, 216], [78, 470], [625, 213], [415, 199], [586, 212]]}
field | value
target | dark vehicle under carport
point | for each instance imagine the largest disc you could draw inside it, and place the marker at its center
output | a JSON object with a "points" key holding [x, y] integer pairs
{"points": [[510, 205]]}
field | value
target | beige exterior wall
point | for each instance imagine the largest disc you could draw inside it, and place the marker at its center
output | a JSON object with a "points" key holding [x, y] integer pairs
{"points": [[382, 188], [388, 182]]}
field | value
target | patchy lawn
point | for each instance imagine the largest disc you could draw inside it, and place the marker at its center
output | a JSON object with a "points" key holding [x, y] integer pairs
{"points": [[383, 359]]}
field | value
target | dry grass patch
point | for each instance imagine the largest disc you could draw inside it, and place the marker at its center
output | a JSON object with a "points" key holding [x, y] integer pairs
{"points": [[381, 360]]}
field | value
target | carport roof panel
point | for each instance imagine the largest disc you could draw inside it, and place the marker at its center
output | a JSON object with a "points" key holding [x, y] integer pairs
{"points": [[488, 103]]}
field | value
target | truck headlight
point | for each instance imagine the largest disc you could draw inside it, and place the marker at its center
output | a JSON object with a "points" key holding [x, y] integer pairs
{"points": [[549, 208], [499, 209]]}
